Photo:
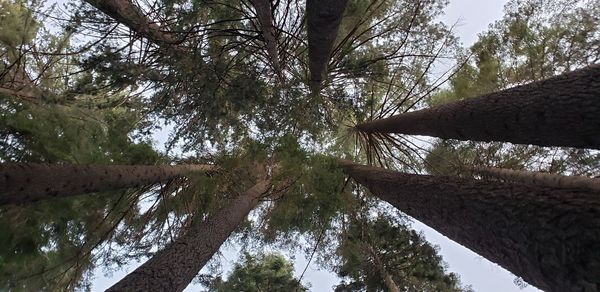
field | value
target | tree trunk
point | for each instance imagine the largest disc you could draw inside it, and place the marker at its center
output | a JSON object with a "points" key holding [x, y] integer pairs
{"points": [[22, 183], [549, 237], [560, 111], [128, 14], [387, 278], [323, 20], [540, 178], [174, 267], [265, 19]]}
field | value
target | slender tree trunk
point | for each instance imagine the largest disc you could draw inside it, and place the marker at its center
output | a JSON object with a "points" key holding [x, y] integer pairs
{"points": [[323, 19], [540, 178], [560, 111], [174, 267], [22, 183], [264, 14], [387, 278], [128, 14], [549, 237]]}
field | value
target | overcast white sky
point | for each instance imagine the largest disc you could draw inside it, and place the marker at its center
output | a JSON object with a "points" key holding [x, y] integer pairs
{"points": [[473, 16]]}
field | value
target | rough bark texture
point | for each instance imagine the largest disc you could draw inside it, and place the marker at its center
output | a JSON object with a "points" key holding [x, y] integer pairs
{"points": [[174, 267], [560, 111], [263, 13], [540, 178], [128, 14], [323, 20], [549, 237], [22, 183]]}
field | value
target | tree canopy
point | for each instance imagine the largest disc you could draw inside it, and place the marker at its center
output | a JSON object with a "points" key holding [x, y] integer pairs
{"points": [[253, 88]]}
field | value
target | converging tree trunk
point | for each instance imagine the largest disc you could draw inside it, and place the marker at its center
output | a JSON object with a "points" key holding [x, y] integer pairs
{"points": [[265, 19], [323, 20], [539, 178], [128, 14], [174, 267], [22, 183], [549, 237], [559, 111]]}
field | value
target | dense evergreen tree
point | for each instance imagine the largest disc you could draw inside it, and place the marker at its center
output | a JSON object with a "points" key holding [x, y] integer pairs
{"points": [[380, 256], [263, 272]]}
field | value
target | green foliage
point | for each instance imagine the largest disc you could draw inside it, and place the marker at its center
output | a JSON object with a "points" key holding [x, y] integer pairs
{"points": [[371, 248], [47, 246], [17, 22], [55, 133], [263, 272], [313, 201], [534, 40], [220, 94]]}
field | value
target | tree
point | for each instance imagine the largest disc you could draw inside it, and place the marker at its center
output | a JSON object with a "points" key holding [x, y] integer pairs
{"points": [[523, 229], [26, 183], [560, 111], [263, 272], [539, 178], [381, 256], [263, 13], [533, 40], [174, 267], [323, 20], [125, 12]]}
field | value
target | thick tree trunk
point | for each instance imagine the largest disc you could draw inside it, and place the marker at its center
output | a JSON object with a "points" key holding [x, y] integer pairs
{"points": [[549, 237], [540, 178], [323, 20], [560, 111], [265, 19], [22, 183], [174, 267], [128, 14]]}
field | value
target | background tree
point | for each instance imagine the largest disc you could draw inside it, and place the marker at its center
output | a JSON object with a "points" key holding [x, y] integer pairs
{"points": [[378, 255], [262, 272]]}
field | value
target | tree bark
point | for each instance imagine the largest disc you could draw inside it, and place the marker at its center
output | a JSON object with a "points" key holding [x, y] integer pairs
{"points": [[540, 178], [174, 267], [265, 19], [323, 20], [560, 111], [128, 14], [548, 237], [22, 183]]}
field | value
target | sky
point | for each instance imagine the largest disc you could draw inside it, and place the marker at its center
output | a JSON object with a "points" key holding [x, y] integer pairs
{"points": [[472, 17]]}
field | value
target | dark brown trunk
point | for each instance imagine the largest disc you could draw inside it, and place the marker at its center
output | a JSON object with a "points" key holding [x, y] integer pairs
{"points": [[540, 178], [560, 111], [549, 237], [22, 183], [128, 14], [265, 19], [174, 267], [323, 20]]}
